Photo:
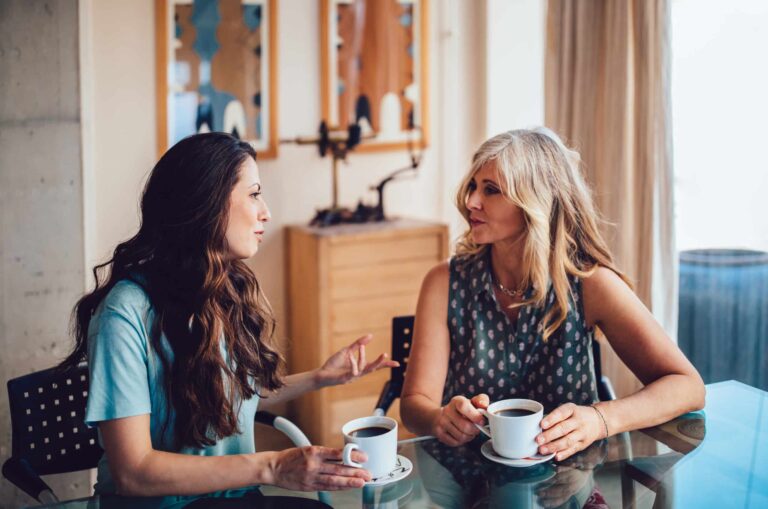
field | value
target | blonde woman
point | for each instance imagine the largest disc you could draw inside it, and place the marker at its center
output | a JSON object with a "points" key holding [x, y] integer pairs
{"points": [[514, 312]]}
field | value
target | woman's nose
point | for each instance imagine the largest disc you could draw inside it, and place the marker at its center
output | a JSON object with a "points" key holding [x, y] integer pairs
{"points": [[264, 214], [473, 201]]}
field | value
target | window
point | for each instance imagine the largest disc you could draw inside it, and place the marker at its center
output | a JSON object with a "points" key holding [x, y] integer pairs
{"points": [[720, 136], [720, 123]]}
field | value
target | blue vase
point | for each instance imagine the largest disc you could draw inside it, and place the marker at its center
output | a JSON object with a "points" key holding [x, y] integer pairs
{"points": [[723, 321]]}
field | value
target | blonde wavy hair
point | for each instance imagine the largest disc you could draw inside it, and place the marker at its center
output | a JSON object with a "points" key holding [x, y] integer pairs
{"points": [[539, 174]]}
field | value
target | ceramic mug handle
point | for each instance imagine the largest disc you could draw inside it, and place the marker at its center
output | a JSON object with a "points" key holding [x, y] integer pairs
{"points": [[347, 455], [485, 429]]}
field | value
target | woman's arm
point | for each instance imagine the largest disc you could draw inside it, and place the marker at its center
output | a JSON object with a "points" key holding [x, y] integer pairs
{"points": [[672, 384], [420, 401], [343, 367], [295, 385], [140, 470]]}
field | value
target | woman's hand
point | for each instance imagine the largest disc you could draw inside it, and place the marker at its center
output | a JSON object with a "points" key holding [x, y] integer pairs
{"points": [[348, 364], [569, 429], [455, 424], [312, 468]]}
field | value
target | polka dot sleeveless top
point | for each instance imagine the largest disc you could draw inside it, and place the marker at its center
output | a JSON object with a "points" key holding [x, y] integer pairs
{"points": [[491, 355]]}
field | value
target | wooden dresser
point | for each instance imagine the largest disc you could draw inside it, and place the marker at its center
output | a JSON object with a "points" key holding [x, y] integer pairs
{"points": [[343, 282]]}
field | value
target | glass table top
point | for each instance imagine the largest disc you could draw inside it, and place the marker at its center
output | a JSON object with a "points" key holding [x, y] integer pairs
{"points": [[714, 458]]}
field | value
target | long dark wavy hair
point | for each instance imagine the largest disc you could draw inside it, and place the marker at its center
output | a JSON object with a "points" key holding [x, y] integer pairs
{"points": [[200, 297]]}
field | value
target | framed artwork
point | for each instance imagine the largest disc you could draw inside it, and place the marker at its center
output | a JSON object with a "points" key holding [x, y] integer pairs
{"points": [[217, 70], [374, 70]]}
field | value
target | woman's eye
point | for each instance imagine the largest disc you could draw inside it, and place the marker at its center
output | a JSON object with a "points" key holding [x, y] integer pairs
{"points": [[491, 190], [256, 194]]}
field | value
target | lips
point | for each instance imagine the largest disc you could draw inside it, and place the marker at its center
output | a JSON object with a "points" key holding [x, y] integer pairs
{"points": [[473, 221]]}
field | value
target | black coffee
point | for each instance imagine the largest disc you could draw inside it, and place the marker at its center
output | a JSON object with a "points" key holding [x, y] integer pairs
{"points": [[513, 412], [372, 431]]}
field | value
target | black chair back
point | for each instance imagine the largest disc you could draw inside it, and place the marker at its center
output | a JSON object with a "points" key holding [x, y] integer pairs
{"points": [[47, 421], [48, 432], [402, 332]]}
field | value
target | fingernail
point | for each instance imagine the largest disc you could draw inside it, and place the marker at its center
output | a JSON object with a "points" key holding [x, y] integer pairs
{"points": [[540, 439], [545, 423], [544, 450]]}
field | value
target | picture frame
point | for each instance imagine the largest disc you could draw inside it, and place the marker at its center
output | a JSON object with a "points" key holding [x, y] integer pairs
{"points": [[375, 70], [216, 70]]}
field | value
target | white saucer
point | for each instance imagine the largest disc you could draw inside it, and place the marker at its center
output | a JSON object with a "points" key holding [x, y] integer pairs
{"points": [[488, 452], [403, 467]]}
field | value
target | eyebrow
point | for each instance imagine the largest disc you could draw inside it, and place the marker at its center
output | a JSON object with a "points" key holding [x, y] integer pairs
{"points": [[487, 181]]}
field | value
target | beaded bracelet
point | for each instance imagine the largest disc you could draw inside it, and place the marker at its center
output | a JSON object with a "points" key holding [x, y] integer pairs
{"points": [[601, 418]]}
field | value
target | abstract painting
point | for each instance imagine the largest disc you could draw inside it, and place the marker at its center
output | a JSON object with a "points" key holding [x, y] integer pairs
{"points": [[216, 70], [374, 69]]}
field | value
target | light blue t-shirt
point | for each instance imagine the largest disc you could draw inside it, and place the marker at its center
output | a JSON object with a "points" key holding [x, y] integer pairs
{"points": [[126, 378]]}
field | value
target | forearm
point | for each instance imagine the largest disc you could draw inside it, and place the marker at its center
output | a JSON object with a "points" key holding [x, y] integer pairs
{"points": [[656, 403], [164, 473], [419, 413], [295, 385]]}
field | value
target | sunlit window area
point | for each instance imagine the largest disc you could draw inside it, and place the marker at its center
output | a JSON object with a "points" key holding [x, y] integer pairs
{"points": [[719, 109]]}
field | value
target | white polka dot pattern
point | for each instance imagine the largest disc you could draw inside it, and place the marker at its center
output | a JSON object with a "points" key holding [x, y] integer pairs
{"points": [[491, 354]]}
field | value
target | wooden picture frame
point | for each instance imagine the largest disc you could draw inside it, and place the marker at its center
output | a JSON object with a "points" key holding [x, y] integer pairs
{"points": [[375, 71], [216, 70]]}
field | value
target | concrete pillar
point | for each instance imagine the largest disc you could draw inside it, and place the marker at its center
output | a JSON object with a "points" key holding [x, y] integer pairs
{"points": [[41, 201]]}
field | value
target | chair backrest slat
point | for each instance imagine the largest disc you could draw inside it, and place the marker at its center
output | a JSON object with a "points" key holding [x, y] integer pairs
{"points": [[47, 421], [402, 334]]}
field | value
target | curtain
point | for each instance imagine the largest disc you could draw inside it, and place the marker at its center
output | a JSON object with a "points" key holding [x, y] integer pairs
{"points": [[607, 86]]}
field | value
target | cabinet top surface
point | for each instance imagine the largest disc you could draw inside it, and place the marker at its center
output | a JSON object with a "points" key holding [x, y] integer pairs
{"points": [[364, 228]]}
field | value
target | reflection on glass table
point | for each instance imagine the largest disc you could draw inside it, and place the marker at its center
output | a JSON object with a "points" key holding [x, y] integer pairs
{"points": [[714, 458]]}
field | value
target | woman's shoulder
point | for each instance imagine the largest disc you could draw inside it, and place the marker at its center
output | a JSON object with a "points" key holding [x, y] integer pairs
{"points": [[601, 280], [438, 275], [122, 320], [600, 291], [127, 298]]}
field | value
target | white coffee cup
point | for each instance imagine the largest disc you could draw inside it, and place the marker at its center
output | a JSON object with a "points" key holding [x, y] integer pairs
{"points": [[380, 448], [513, 436]]}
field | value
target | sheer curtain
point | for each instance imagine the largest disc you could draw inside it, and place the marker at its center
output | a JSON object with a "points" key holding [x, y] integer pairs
{"points": [[607, 93]]}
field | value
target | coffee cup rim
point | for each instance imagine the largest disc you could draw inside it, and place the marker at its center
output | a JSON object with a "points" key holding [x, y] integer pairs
{"points": [[515, 404], [368, 422]]}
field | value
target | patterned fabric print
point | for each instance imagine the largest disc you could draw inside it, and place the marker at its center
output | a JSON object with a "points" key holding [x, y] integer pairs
{"points": [[490, 355]]}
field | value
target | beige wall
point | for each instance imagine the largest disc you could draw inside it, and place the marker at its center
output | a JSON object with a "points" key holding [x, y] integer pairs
{"points": [[122, 127]]}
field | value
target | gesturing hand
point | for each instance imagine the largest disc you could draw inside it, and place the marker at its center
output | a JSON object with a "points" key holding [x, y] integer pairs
{"points": [[455, 425], [312, 468], [569, 429], [349, 364]]}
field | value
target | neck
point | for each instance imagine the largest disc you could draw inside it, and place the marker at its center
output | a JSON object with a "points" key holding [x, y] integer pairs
{"points": [[507, 262]]}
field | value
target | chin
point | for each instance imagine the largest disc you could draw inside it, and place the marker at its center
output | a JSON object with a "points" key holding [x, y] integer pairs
{"points": [[479, 238], [245, 254]]}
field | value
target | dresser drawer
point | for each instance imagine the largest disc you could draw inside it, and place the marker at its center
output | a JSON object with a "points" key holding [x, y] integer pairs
{"points": [[385, 279], [371, 313], [370, 252]]}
